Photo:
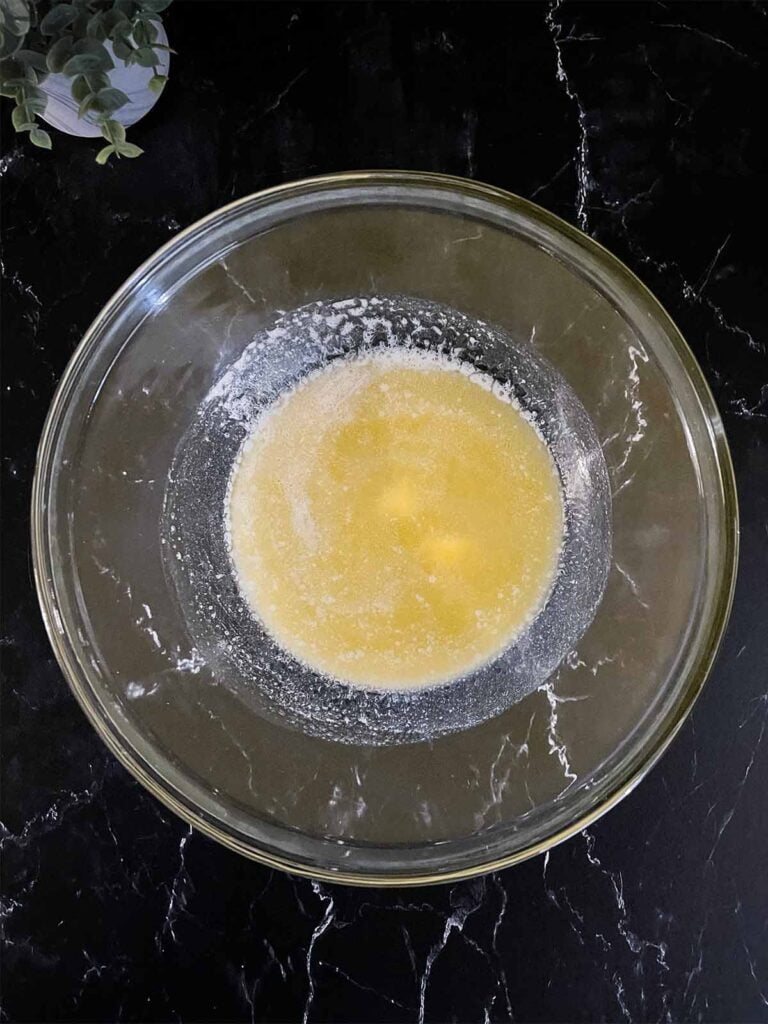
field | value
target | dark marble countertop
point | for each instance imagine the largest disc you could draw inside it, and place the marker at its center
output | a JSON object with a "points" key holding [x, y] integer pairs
{"points": [[638, 122]]}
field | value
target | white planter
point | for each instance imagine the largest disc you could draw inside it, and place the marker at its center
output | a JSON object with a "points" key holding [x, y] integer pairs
{"points": [[133, 80]]}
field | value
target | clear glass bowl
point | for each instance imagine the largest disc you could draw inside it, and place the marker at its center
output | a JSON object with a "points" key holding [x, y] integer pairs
{"points": [[457, 804]]}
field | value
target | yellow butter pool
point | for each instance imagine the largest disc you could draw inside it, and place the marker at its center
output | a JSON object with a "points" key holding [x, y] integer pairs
{"points": [[395, 521]]}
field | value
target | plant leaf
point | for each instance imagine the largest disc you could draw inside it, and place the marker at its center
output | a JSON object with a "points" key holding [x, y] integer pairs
{"points": [[96, 28], [112, 19], [87, 104], [86, 45], [21, 118], [14, 15], [25, 73], [126, 7], [157, 83], [33, 59], [58, 18], [113, 131], [8, 90], [122, 29], [36, 103], [121, 49], [111, 99], [152, 30], [80, 24], [140, 34], [9, 68], [146, 57], [80, 88], [82, 63], [104, 154], [129, 149], [97, 80], [40, 138], [9, 43], [59, 54], [155, 6]]}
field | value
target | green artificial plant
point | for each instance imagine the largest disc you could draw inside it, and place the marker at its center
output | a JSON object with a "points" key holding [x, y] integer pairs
{"points": [[40, 37]]}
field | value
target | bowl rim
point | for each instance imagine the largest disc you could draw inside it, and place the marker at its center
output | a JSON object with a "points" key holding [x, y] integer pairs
{"points": [[665, 731]]}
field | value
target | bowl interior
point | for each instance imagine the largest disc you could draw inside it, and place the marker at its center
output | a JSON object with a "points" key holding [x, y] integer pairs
{"points": [[451, 803], [235, 646]]}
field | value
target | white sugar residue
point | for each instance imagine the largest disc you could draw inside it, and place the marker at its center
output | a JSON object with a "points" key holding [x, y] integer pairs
{"points": [[274, 353], [135, 690]]}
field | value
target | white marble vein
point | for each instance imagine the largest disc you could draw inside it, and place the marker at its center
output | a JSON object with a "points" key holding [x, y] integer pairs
{"points": [[556, 744], [320, 929], [50, 819], [584, 181], [507, 760], [283, 93], [708, 35], [179, 891], [469, 900], [690, 294]]}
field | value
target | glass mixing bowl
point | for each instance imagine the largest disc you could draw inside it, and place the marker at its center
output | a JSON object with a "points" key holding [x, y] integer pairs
{"points": [[344, 809]]}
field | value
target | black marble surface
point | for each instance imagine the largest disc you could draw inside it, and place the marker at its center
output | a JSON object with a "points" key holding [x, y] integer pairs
{"points": [[639, 122]]}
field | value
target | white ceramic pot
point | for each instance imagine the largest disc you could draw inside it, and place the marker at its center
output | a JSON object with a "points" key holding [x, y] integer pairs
{"points": [[133, 80]]}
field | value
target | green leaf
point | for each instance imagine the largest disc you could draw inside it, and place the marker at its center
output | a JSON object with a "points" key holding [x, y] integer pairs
{"points": [[152, 30], [82, 63], [157, 83], [111, 99], [126, 7], [140, 34], [86, 105], [122, 49], [97, 80], [122, 29], [155, 6], [129, 149], [90, 56], [114, 18], [36, 102], [114, 131], [9, 91], [104, 154], [59, 54], [21, 118], [86, 45], [96, 28], [24, 73], [58, 18], [40, 138], [146, 57], [14, 15], [80, 24], [33, 59], [9, 68], [9, 43], [80, 88]]}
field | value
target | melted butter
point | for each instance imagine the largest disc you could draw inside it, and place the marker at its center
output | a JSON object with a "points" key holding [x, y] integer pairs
{"points": [[394, 522]]}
